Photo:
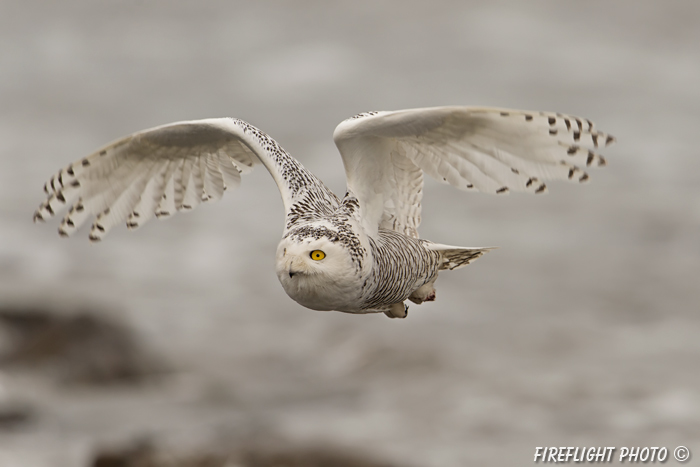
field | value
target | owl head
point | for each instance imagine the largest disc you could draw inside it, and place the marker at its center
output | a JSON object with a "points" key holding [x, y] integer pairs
{"points": [[317, 269]]}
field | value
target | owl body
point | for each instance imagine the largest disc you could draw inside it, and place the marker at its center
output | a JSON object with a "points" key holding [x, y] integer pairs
{"points": [[321, 268]]}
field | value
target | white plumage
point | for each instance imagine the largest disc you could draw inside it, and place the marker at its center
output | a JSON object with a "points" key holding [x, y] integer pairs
{"points": [[360, 254]]}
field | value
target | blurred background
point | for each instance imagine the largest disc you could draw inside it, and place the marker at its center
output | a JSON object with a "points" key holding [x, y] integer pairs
{"points": [[176, 343]]}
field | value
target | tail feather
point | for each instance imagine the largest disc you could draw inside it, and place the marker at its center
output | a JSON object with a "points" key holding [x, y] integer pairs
{"points": [[455, 257]]}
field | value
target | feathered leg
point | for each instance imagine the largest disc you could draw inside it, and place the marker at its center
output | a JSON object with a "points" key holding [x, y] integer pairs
{"points": [[397, 310]]}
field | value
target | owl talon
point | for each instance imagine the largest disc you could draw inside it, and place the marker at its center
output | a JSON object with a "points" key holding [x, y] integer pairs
{"points": [[425, 293], [397, 310]]}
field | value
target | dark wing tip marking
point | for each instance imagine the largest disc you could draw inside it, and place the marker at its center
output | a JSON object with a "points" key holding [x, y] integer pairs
{"points": [[502, 190]]}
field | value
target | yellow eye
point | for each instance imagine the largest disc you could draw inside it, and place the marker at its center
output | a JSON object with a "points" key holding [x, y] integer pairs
{"points": [[317, 255]]}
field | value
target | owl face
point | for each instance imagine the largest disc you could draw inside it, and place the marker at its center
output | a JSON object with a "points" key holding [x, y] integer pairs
{"points": [[317, 272]]}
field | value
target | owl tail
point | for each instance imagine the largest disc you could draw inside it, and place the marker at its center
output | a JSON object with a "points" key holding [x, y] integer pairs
{"points": [[455, 257]]}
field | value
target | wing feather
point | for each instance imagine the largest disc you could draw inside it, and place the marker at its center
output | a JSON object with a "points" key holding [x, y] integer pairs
{"points": [[230, 172], [175, 167], [213, 179], [193, 186], [402, 211], [119, 209], [149, 200], [167, 205], [486, 149]]}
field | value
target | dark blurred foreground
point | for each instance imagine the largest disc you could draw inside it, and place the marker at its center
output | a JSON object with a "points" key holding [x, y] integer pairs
{"points": [[84, 349], [146, 455]]}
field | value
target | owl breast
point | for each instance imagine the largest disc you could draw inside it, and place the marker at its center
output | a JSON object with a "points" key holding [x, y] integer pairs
{"points": [[323, 292]]}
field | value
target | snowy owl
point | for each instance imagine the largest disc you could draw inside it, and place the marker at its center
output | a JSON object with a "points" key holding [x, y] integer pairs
{"points": [[358, 254]]}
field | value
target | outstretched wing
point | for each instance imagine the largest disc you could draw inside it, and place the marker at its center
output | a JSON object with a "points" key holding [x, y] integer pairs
{"points": [[471, 148], [172, 168]]}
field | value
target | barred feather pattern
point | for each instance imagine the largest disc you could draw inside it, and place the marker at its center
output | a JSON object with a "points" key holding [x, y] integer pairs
{"points": [[401, 265], [455, 258]]}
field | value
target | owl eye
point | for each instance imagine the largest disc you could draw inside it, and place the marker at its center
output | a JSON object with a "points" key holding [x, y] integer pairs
{"points": [[317, 255]]}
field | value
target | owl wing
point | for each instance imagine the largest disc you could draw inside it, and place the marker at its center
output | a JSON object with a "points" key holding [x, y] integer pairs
{"points": [[471, 148], [171, 168]]}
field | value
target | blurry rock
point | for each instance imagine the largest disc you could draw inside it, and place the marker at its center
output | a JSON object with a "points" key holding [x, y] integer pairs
{"points": [[144, 454], [305, 457], [84, 347], [140, 454], [14, 416]]}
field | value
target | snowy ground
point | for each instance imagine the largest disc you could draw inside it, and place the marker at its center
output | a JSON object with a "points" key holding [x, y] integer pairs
{"points": [[581, 330]]}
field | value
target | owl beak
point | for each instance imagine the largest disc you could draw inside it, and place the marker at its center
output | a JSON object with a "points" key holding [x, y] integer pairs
{"points": [[291, 270], [295, 266]]}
